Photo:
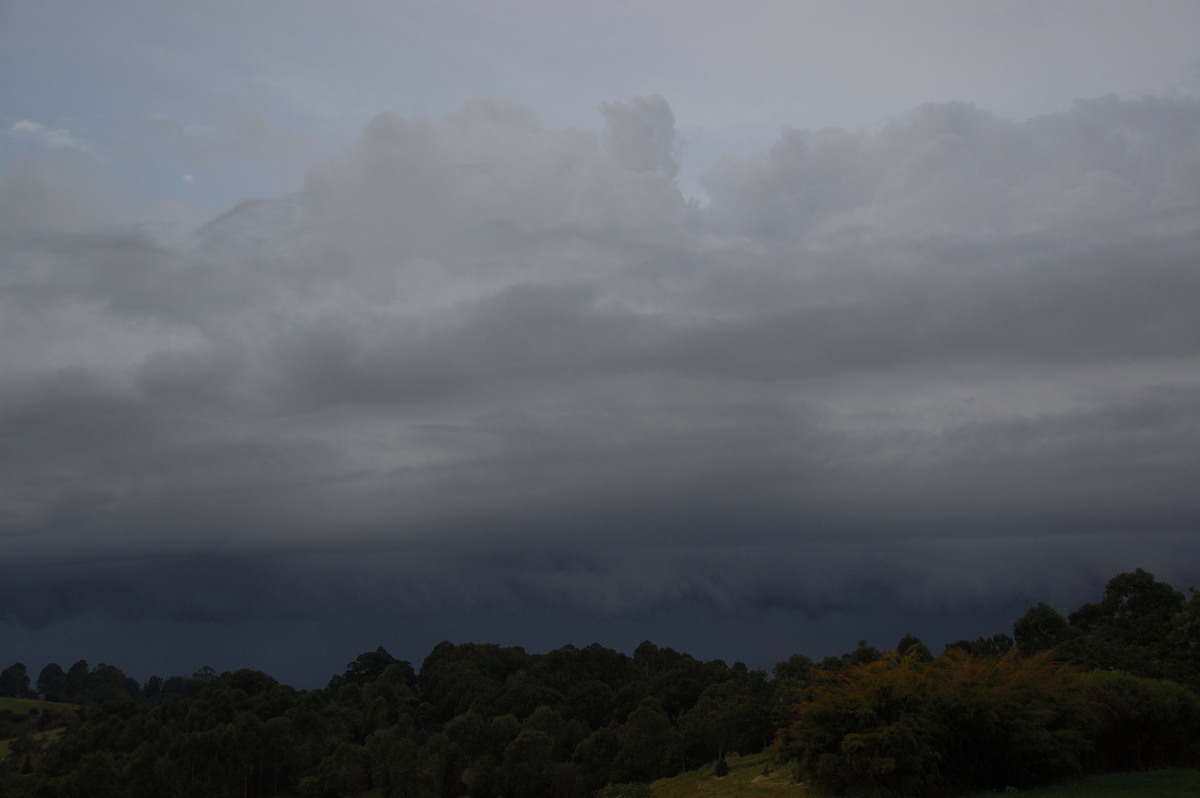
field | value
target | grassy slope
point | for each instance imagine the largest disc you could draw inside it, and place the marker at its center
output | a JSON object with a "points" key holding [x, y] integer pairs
{"points": [[746, 779], [47, 736], [1148, 784], [58, 715], [26, 704]]}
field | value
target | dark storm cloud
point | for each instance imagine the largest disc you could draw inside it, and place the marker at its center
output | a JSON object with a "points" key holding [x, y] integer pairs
{"points": [[475, 364]]}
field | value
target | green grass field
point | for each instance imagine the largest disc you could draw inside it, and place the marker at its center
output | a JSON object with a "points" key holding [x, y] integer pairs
{"points": [[25, 715], [1150, 784], [746, 779], [26, 704]]}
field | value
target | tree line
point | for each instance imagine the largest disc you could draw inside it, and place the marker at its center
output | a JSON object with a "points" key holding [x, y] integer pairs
{"points": [[1109, 686]]}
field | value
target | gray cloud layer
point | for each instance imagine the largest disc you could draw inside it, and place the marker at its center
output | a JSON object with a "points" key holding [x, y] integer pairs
{"points": [[475, 363]]}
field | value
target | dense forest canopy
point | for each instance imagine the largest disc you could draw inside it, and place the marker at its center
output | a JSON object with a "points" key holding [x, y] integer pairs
{"points": [[1111, 685]]}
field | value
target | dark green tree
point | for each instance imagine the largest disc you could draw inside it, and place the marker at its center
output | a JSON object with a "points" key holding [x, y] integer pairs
{"points": [[108, 683], [733, 715], [371, 665], [1041, 628], [1184, 640], [796, 669], [645, 740], [910, 644], [75, 684], [51, 683], [992, 646], [14, 682], [1145, 723], [592, 702], [594, 757], [865, 653], [153, 688], [1130, 627], [526, 766]]}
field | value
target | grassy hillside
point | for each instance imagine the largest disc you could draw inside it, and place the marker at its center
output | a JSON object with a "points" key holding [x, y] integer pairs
{"points": [[1148, 784], [26, 704], [747, 780], [43, 719], [46, 736]]}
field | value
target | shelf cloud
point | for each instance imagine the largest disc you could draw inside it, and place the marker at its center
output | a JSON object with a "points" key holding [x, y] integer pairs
{"points": [[476, 362]]}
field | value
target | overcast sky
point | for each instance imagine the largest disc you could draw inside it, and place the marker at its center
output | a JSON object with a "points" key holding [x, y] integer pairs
{"points": [[752, 328]]}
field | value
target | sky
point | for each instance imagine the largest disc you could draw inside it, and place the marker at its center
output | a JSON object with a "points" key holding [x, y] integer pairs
{"points": [[747, 328]]}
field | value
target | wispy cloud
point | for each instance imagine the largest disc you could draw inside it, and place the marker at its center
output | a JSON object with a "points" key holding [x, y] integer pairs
{"points": [[28, 130]]}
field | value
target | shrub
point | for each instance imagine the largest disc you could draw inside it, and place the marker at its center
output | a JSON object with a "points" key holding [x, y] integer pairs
{"points": [[904, 726], [1145, 723]]}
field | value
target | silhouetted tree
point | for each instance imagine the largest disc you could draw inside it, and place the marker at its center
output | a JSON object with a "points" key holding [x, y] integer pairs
{"points": [[992, 646], [910, 644], [14, 682], [1129, 628], [52, 682], [75, 684], [1041, 628], [645, 739]]}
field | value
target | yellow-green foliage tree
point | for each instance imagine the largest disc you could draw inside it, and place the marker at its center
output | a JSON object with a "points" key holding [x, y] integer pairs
{"points": [[908, 726]]}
